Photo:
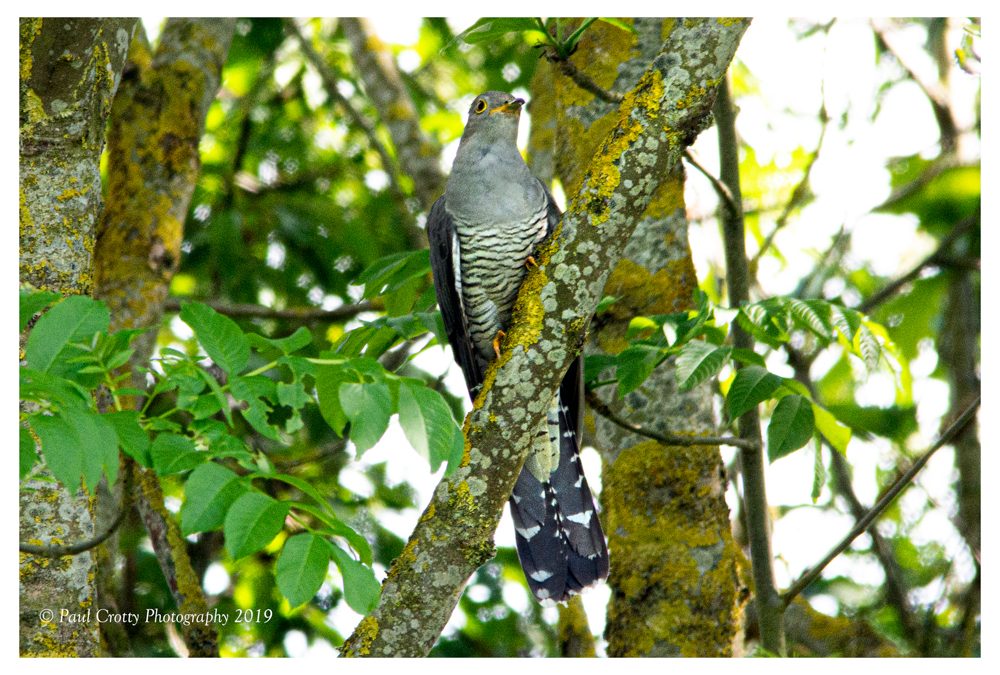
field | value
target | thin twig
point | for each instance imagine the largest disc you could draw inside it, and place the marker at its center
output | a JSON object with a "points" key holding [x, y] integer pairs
{"points": [[581, 79], [359, 120], [301, 314], [60, 550], [882, 504], [738, 279], [890, 289], [720, 188], [800, 191], [601, 408]]}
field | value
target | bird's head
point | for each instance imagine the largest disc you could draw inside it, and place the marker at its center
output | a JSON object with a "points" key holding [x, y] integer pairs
{"points": [[493, 116]]}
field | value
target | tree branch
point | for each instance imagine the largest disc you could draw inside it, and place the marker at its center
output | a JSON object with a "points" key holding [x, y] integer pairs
{"points": [[419, 156], [299, 314], [601, 408], [357, 119], [721, 189], [769, 607], [555, 303], [884, 501], [60, 550], [581, 79], [893, 287]]}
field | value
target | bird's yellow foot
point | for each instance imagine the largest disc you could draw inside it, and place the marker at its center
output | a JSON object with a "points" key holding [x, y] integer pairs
{"points": [[496, 342], [530, 262]]}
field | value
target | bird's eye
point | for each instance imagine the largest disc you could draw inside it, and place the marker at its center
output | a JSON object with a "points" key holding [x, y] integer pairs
{"points": [[480, 107]]}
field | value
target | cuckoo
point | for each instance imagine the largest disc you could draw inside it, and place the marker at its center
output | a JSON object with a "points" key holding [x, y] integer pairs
{"points": [[482, 234]]}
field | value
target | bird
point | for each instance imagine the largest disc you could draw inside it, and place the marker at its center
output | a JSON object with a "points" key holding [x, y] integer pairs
{"points": [[482, 233]]}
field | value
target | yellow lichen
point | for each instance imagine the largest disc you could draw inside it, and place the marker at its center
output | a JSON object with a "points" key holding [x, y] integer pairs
{"points": [[364, 635]]}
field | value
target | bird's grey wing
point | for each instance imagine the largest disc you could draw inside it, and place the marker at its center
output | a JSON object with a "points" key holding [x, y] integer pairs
{"points": [[442, 239], [555, 215]]}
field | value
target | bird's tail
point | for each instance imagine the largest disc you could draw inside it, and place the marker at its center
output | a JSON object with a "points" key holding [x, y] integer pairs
{"points": [[559, 537]]}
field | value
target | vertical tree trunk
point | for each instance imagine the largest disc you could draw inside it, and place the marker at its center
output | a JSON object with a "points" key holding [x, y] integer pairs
{"points": [[675, 585], [156, 125], [69, 71]]}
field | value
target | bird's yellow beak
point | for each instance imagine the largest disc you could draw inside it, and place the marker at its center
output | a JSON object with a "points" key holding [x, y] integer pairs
{"points": [[509, 108]]}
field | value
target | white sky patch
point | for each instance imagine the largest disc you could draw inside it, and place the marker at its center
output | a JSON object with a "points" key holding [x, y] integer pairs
{"points": [[408, 60], [216, 579]]}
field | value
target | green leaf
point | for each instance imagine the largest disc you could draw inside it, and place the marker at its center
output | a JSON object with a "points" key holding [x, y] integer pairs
{"points": [[361, 589], [222, 339], [98, 443], [489, 29], [751, 385], [819, 472], [427, 423], [27, 455], [173, 453], [833, 431], [791, 426], [618, 23], [457, 451], [286, 345], [393, 271], [867, 345], [252, 521], [368, 407], [74, 320], [221, 402], [328, 381], [208, 493], [813, 315], [256, 392], [698, 361], [32, 302], [635, 364], [337, 528], [748, 356], [60, 449], [301, 567]]}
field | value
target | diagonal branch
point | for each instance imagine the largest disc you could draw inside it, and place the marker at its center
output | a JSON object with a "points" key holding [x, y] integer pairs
{"points": [[299, 314], [602, 409], [883, 503], [454, 536]]}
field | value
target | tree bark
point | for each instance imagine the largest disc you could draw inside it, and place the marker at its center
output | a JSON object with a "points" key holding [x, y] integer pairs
{"points": [[667, 108], [156, 125], [69, 71], [675, 586]]}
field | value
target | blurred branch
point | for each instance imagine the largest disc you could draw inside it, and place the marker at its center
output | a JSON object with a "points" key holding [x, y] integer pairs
{"points": [[581, 79], [329, 79], [601, 408], [574, 636], [801, 190], [299, 314], [60, 550], [884, 501], [939, 255], [419, 156], [738, 277], [725, 196], [934, 91], [895, 588]]}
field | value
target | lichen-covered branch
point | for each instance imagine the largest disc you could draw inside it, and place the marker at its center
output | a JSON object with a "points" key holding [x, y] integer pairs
{"points": [[573, 631], [156, 125], [419, 157], [454, 536], [674, 565], [69, 71]]}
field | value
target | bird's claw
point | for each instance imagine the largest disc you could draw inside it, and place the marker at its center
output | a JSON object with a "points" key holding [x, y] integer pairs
{"points": [[496, 342], [530, 262]]}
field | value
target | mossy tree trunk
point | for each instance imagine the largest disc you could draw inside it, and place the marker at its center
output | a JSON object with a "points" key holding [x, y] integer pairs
{"points": [[676, 590], [157, 121], [69, 71]]}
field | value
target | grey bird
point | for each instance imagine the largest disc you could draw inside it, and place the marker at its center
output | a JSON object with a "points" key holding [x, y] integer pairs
{"points": [[482, 234]]}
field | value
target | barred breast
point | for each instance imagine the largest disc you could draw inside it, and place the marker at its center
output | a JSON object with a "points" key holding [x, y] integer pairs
{"points": [[492, 267]]}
